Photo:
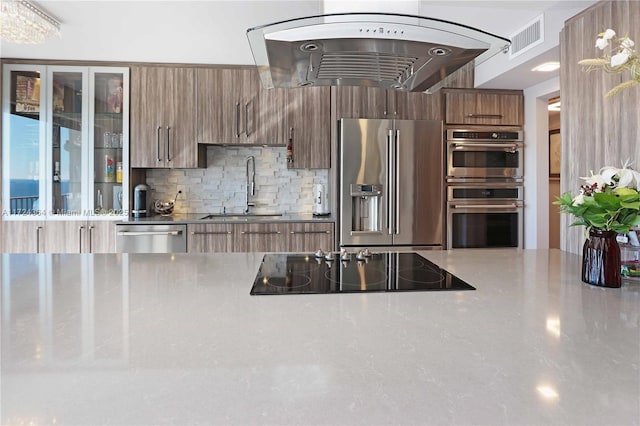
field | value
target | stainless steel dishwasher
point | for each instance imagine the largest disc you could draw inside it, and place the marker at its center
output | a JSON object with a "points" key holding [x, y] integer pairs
{"points": [[151, 238]]}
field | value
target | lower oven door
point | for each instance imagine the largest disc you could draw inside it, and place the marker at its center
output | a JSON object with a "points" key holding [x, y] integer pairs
{"points": [[484, 224]]}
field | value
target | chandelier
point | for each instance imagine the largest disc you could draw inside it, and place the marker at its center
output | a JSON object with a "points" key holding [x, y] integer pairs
{"points": [[23, 22]]}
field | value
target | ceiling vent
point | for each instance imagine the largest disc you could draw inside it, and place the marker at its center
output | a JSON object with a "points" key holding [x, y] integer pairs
{"points": [[528, 37]]}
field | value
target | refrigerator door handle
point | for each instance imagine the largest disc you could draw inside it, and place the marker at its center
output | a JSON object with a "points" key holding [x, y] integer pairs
{"points": [[396, 190], [390, 174]]}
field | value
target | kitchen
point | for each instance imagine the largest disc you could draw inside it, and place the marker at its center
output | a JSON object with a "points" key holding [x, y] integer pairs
{"points": [[194, 199], [235, 270]]}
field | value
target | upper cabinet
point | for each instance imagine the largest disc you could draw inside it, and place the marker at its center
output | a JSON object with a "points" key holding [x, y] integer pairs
{"points": [[362, 102], [234, 109], [163, 118], [65, 142], [484, 107], [309, 119], [372, 102]]}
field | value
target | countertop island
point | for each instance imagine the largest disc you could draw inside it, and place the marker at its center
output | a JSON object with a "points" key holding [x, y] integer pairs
{"points": [[177, 339]]}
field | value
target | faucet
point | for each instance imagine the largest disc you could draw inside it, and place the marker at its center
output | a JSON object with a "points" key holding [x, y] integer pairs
{"points": [[251, 181]]}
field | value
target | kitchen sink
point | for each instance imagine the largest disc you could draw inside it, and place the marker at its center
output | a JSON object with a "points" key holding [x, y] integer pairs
{"points": [[240, 216]]}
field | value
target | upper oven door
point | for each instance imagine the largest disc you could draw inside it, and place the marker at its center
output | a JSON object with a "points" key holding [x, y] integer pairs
{"points": [[484, 159], [484, 154]]}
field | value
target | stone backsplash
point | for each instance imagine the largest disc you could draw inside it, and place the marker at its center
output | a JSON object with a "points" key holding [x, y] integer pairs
{"points": [[223, 183]]}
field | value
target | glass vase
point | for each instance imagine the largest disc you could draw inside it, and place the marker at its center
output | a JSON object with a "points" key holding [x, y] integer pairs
{"points": [[601, 259]]}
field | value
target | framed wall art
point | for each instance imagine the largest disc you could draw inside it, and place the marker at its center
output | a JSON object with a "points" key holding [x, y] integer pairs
{"points": [[554, 153]]}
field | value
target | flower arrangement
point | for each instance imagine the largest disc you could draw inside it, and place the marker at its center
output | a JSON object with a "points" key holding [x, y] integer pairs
{"points": [[609, 201], [622, 57]]}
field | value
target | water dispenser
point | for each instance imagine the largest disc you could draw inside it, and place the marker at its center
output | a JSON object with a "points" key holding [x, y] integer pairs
{"points": [[366, 199]]}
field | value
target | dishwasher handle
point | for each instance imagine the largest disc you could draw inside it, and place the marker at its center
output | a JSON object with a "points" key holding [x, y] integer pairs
{"points": [[139, 233]]}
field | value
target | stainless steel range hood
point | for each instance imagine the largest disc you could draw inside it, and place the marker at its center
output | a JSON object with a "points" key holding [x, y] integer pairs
{"points": [[403, 52]]}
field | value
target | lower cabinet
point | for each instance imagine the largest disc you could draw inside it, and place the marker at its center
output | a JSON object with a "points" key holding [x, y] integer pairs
{"points": [[209, 238], [310, 237], [65, 236], [22, 236], [252, 237], [260, 237]]}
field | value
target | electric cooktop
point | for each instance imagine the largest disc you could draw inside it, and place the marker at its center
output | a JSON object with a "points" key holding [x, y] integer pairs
{"points": [[388, 271]]}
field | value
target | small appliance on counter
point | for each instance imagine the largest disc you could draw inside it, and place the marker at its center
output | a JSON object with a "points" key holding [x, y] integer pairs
{"points": [[141, 200], [320, 200]]}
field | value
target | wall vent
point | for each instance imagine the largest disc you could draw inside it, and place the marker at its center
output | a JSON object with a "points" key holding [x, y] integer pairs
{"points": [[527, 37]]}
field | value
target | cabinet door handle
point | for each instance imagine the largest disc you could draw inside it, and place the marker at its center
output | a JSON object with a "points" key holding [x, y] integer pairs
{"points": [[38, 229], [91, 239], [260, 232], [210, 233], [246, 119], [158, 143], [168, 144], [308, 232], [498, 116], [237, 119], [386, 102], [80, 229]]}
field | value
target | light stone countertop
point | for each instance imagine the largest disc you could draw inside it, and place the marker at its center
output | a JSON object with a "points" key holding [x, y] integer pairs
{"points": [[177, 339]]}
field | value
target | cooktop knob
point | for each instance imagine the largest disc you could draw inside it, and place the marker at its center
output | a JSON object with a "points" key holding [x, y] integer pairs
{"points": [[345, 255]]}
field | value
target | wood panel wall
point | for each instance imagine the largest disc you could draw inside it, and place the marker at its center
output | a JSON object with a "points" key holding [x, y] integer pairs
{"points": [[596, 131]]}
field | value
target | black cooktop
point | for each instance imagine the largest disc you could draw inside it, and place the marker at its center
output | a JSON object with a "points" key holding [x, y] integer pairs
{"points": [[388, 271]]}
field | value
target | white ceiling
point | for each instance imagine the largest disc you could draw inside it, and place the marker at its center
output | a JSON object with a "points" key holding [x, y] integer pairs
{"points": [[183, 31]]}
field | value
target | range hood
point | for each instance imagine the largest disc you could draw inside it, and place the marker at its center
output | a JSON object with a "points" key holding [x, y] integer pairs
{"points": [[396, 51]]}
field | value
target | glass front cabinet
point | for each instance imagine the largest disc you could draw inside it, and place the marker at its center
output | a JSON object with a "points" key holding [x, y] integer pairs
{"points": [[65, 156]]}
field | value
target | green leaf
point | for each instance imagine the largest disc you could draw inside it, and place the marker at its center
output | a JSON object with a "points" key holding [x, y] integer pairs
{"points": [[607, 201]]}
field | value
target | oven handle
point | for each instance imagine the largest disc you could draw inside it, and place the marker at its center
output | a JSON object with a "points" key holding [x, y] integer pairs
{"points": [[486, 145], [486, 206], [390, 164]]}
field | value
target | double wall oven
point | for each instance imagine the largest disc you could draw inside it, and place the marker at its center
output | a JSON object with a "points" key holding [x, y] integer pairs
{"points": [[485, 194]]}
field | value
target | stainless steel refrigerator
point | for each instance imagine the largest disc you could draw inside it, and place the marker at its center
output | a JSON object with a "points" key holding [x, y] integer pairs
{"points": [[391, 183]]}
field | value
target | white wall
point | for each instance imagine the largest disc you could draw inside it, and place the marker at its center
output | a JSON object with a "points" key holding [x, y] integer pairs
{"points": [[208, 32], [536, 163]]}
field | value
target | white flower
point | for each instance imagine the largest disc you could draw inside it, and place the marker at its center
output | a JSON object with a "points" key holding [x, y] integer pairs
{"points": [[608, 173], [609, 34], [597, 179], [626, 178], [619, 59], [626, 46], [627, 43], [601, 43], [579, 199]]}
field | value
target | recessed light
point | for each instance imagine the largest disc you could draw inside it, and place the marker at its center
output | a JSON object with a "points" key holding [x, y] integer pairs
{"points": [[555, 106], [547, 67]]}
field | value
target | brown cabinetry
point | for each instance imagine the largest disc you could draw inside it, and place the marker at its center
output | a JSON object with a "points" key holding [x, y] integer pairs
{"points": [[310, 237], [233, 109], [260, 237], [370, 102], [209, 238], [64, 236], [22, 236], [163, 118], [252, 237], [484, 107], [309, 122]]}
